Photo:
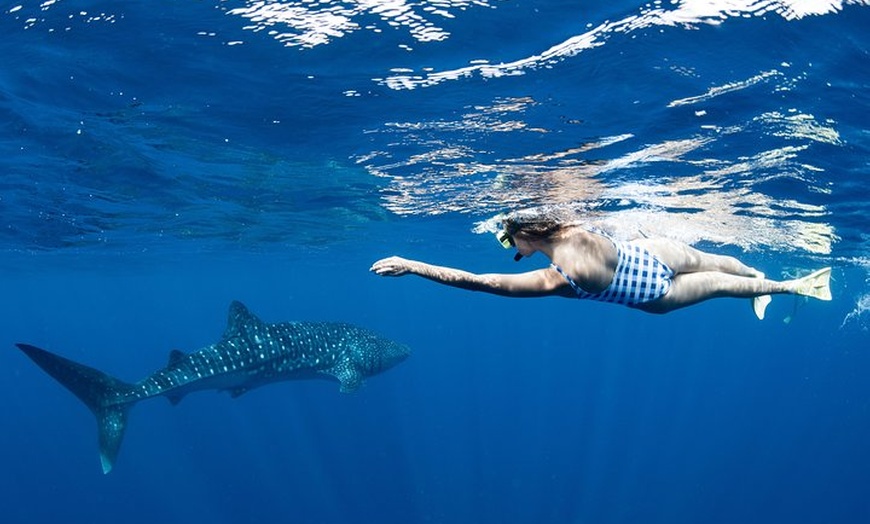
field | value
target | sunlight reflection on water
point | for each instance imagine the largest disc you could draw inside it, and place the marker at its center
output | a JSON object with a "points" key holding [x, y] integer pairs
{"points": [[721, 200]]}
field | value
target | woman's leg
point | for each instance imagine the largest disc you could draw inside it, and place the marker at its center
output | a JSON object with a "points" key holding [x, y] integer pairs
{"points": [[683, 258], [690, 288]]}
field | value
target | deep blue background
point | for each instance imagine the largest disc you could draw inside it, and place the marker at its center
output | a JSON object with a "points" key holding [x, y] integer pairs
{"points": [[152, 173], [513, 411]]}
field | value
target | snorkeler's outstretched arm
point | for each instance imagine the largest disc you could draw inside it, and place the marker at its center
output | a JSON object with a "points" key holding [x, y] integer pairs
{"points": [[538, 283]]}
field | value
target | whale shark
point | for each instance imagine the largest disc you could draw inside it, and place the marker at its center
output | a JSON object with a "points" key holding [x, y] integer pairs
{"points": [[250, 353]]}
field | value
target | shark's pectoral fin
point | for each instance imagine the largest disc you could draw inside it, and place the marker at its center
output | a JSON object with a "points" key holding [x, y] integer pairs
{"points": [[349, 377]]}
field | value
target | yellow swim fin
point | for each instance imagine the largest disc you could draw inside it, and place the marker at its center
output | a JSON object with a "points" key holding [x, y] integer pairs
{"points": [[817, 284]]}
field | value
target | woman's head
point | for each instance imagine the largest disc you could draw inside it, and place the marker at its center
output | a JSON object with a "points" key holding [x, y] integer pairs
{"points": [[536, 223], [525, 229]]}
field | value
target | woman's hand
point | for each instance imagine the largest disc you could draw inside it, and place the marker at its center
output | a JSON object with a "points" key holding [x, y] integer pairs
{"points": [[391, 267]]}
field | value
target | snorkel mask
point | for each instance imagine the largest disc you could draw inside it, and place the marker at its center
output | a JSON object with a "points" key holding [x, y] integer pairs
{"points": [[507, 241]]}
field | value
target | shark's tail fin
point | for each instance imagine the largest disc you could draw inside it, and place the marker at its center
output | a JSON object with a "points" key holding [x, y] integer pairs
{"points": [[104, 395]]}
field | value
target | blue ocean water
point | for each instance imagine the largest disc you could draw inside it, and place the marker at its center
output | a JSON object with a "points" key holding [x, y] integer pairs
{"points": [[161, 159]]}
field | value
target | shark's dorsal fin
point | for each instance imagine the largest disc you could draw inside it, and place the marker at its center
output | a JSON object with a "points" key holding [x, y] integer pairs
{"points": [[239, 320], [174, 356]]}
